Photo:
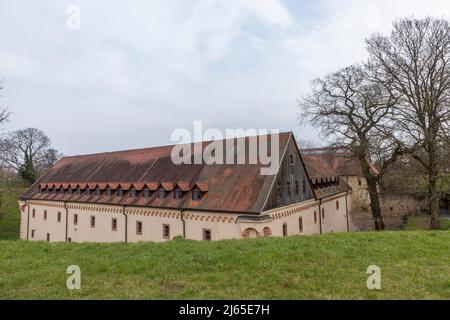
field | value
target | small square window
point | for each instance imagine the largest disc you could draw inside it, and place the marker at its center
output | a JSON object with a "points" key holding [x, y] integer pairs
{"points": [[178, 194], [69, 239], [166, 231], [196, 194], [207, 234], [139, 227], [92, 221]]}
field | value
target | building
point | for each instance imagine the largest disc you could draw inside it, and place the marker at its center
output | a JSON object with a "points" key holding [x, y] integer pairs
{"points": [[395, 206], [141, 195]]}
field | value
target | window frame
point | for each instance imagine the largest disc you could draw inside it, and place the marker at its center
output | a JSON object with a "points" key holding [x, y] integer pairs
{"points": [[166, 227], [113, 224], [205, 232], [92, 221], [139, 228]]}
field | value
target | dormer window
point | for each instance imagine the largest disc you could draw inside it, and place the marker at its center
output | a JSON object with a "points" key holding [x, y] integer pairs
{"points": [[133, 192], [69, 191], [61, 191], [146, 193], [97, 191], [161, 193], [120, 192], [87, 192], [196, 194], [78, 192], [178, 194], [108, 192]]}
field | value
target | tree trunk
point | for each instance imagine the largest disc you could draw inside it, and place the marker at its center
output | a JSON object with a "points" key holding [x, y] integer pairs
{"points": [[373, 193], [433, 196], [375, 203]]}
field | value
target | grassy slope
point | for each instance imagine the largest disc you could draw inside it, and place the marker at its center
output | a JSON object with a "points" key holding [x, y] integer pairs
{"points": [[414, 265]]}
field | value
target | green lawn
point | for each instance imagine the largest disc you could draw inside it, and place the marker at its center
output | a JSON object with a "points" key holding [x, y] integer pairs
{"points": [[414, 265]]}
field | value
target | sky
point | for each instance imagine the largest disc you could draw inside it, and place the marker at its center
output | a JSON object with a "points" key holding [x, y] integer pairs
{"points": [[131, 72]]}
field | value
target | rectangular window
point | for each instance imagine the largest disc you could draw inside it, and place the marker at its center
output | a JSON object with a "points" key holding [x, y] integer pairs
{"points": [[146, 193], [291, 159], [300, 225], [92, 221], [133, 193], [33, 233], [139, 227], [166, 231], [45, 214], [75, 219], [337, 204], [207, 234], [69, 239], [315, 217], [304, 187], [59, 217], [48, 236], [114, 224], [297, 189], [285, 230], [34, 213], [288, 188], [323, 213]]}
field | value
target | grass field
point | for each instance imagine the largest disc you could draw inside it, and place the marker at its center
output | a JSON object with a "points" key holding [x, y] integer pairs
{"points": [[414, 265]]}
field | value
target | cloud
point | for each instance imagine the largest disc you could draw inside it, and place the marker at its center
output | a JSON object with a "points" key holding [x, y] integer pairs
{"points": [[135, 72]]}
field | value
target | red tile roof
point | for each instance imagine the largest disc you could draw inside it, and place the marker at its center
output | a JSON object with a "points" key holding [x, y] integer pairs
{"points": [[340, 159], [226, 185]]}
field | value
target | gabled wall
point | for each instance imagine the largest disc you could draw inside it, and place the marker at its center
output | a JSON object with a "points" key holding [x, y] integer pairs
{"points": [[289, 173]]}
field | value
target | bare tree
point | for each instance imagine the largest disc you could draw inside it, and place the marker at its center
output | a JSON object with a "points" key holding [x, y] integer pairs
{"points": [[353, 111], [415, 63], [28, 152], [4, 112]]}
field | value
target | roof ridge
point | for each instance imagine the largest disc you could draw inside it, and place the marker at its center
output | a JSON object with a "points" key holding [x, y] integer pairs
{"points": [[142, 150]]}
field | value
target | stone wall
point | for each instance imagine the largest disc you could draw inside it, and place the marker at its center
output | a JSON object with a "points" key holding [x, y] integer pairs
{"points": [[395, 207]]}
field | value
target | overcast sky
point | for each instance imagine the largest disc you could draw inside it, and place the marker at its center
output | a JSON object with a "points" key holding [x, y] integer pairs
{"points": [[137, 70]]}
